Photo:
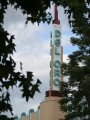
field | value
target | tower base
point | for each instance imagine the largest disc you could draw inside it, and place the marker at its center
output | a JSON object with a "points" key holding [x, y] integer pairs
{"points": [[49, 109]]}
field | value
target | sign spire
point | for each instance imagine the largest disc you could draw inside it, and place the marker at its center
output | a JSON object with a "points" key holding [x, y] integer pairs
{"points": [[56, 21]]}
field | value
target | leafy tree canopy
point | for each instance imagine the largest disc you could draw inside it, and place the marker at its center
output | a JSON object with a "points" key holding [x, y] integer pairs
{"points": [[35, 10], [78, 12], [76, 91]]}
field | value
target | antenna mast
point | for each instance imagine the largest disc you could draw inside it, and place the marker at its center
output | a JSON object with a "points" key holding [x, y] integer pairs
{"points": [[56, 21]]}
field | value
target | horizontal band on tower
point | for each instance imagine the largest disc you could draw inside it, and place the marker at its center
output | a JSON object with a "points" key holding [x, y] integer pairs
{"points": [[53, 93]]}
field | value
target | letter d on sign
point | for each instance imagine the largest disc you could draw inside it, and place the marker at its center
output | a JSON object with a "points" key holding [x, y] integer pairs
{"points": [[57, 33]]}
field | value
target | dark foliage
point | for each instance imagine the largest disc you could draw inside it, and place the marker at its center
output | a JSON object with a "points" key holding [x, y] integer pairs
{"points": [[76, 91]]}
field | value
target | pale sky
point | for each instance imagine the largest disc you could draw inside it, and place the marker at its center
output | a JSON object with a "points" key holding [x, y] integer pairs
{"points": [[33, 50]]}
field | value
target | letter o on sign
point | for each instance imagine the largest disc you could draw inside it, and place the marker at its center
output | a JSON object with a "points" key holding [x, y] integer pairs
{"points": [[57, 63], [56, 82]]}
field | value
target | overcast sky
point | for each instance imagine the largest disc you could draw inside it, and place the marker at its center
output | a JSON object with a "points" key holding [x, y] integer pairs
{"points": [[33, 50]]}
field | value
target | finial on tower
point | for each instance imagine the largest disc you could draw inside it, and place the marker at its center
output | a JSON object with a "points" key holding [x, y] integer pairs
{"points": [[56, 21]]}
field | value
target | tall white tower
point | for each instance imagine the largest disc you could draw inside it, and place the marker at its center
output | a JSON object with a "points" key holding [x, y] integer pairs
{"points": [[56, 53]]}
